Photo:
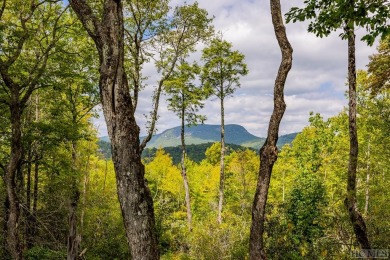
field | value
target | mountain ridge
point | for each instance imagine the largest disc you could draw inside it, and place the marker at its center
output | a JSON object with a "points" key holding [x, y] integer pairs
{"points": [[205, 133]]}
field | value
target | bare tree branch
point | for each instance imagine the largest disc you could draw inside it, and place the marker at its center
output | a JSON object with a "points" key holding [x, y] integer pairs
{"points": [[156, 104]]}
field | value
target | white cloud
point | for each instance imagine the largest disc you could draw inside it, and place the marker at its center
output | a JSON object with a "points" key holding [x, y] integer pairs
{"points": [[316, 81]]}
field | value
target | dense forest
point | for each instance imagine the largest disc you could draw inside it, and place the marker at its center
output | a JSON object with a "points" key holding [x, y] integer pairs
{"points": [[66, 194]]}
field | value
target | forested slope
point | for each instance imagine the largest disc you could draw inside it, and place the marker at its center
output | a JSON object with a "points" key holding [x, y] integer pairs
{"points": [[64, 194]]}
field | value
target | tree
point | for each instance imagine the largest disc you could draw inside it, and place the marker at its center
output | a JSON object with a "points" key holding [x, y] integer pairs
{"points": [[29, 35], [118, 108], [167, 190], [103, 233], [269, 151], [177, 38], [242, 168], [185, 100], [379, 67], [107, 30], [306, 204], [147, 19], [373, 161], [327, 16], [221, 73], [77, 98]]}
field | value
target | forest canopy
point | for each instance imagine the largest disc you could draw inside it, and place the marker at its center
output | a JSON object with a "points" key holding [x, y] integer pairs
{"points": [[66, 194]]}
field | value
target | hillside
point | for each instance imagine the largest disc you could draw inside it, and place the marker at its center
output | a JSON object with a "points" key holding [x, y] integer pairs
{"points": [[198, 139], [195, 152], [234, 134], [200, 134]]}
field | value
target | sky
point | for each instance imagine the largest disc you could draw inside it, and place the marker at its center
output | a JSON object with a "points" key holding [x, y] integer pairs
{"points": [[315, 83]]}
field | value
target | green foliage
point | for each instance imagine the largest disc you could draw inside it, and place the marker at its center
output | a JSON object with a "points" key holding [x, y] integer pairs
{"points": [[213, 154], [241, 174], [379, 68], [195, 153], [166, 187], [204, 178], [207, 240], [184, 97], [103, 232], [306, 218], [305, 208], [374, 139], [188, 25], [229, 240], [327, 16], [41, 253], [222, 68], [148, 19]]}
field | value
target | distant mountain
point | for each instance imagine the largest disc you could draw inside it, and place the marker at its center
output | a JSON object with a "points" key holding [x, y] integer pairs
{"points": [[200, 134], [234, 134], [286, 139]]}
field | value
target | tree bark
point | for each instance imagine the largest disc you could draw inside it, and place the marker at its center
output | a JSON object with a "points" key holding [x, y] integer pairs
{"points": [[84, 196], [73, 237], [184, 172], [367, 180], [13, 240], [269, 151], [73, 240], [222, 163], [355, 216], [33, 156], [35, 199], [20, 91], [4, 251], [28, 200], [134, 195]]}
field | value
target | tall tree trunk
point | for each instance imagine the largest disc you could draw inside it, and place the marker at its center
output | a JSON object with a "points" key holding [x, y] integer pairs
{"points": [[84, 196], [29, 216], [105, 176], [31, 221], [367, 191], [84, 205], [222, 163], [73, 241], [283, 189], [367, 180], [184, 173], [4, 251], [73, 237], [33, 212], [269, 151], [134, 195], [13, 240], [355, 216]]}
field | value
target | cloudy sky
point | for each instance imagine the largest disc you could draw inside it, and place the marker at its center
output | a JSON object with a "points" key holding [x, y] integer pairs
{"points": [[315, 83]]}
